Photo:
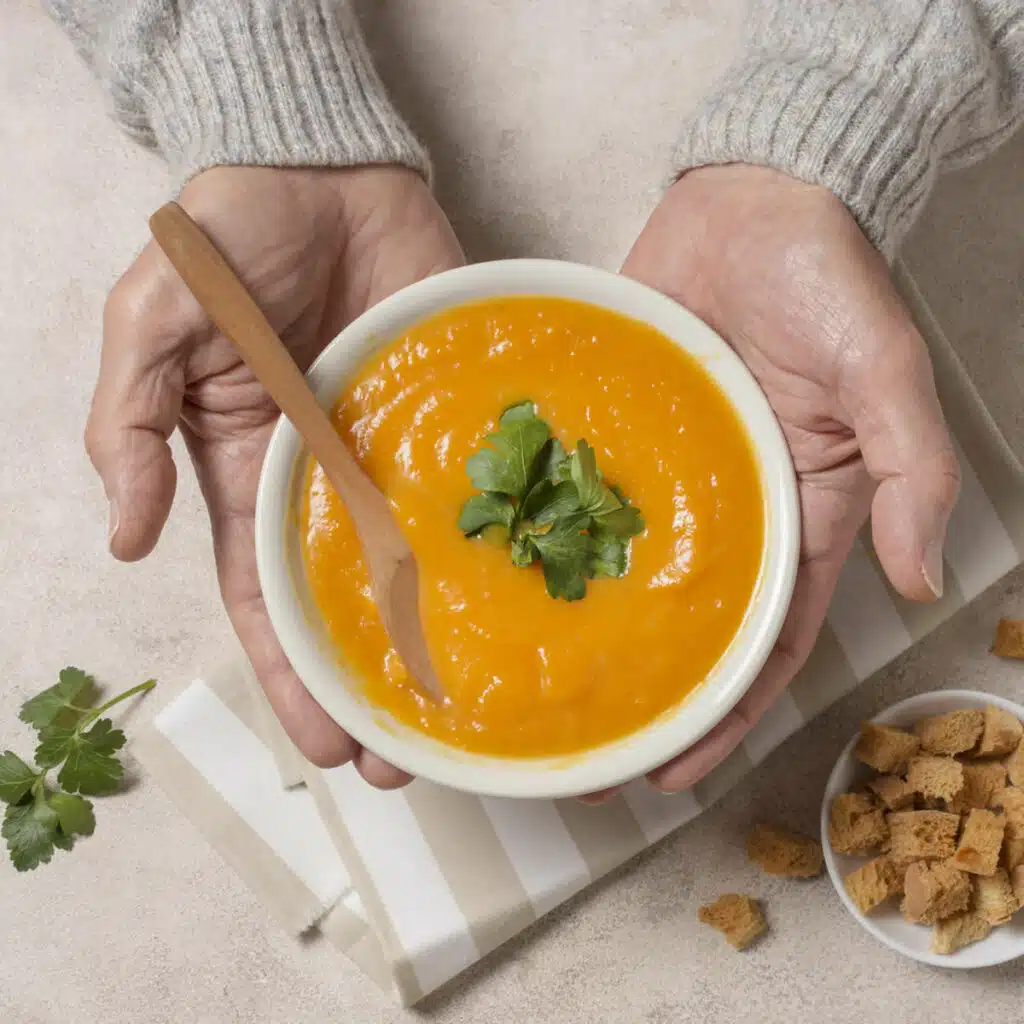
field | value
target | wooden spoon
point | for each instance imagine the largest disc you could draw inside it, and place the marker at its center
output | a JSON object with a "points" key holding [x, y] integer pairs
{"points": [[393, 571]]}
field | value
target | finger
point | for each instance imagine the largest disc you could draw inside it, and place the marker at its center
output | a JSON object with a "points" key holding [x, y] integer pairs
{"points": [[379, 773], [815, 583], [907, 448], [136, 405], [602, 796]]}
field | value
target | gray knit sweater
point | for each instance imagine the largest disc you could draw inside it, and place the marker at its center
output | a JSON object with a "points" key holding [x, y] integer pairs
{"points": [[871, 98]]}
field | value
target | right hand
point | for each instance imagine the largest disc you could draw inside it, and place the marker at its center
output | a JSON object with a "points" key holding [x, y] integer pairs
{"points": [[316, 248]]}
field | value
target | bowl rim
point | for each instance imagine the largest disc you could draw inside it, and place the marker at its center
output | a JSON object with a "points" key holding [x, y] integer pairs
{"points": [[639, 752], [893, 715]]}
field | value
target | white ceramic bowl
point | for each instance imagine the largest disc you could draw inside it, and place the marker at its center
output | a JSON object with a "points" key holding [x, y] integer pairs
{"points": [[317, 662], [886, 923]]}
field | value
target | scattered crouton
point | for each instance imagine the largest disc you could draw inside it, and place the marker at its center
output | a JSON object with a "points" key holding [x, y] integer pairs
{"points": [[1013, 853], [981, 782], [873, 883], [778, 851], [981, 843], [994, 898], [856, 824], [894, 792], [1015, 766], [1010, 800], [936, 778], [884, 748], [952, 733], [1000, 735], [933, 891], [1009, 639], [956, 932], [737, 917], [923, 835]]}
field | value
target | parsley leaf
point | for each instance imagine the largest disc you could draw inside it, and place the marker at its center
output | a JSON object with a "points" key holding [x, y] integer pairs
{"points": [[16, 778], [45, 708], [30, 830], [74, 813], [549, 505], [487, 509], [509, 465], [89, 764]]}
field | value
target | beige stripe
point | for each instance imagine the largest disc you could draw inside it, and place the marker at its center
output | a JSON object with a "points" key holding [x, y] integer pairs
{"points": [[401, 968], [474, 863], [718, 782], [985, 447], [919, 618], [825, 678], [356, 939], [269, 877], [606, 835]]}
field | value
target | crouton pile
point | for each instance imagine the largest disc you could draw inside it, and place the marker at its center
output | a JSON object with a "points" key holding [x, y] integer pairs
{"points": [[943, 821]]}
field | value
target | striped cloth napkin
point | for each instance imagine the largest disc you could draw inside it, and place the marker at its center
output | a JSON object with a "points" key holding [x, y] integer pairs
{"points": [[418, 884]]}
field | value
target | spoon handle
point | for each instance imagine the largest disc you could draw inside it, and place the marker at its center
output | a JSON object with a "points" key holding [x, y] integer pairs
{"points": [[228, 303]]}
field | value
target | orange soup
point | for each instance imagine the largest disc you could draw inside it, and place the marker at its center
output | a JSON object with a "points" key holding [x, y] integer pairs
{"points": [[525, 674]]}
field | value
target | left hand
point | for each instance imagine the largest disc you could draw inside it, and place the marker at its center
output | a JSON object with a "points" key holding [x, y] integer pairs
{"points": [[782, 271]]}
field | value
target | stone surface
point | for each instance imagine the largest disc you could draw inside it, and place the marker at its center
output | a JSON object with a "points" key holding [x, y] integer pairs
{"points": [[551, 125]]}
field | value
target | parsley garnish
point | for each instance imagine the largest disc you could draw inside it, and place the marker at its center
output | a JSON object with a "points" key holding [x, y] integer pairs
{"points": [[74, 738], [549, 505]]}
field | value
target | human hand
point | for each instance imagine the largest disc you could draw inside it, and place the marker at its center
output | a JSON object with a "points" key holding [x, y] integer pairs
{"points": [[782, 271], [316, 248]]}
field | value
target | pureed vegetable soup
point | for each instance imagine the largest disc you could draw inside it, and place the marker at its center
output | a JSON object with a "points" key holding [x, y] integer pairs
{"points": [[525, 673]]}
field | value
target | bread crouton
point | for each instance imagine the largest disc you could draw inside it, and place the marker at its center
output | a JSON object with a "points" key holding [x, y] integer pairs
{"points": [[1009, 639], [778, 851], [884, 748], [1000, 735], [1010, 800], [937, 778], [1013, 853], [952, 733], [923, 835], [737, 917], [1015, 766], [1017, 881], [956, 932], [933, 891], [873, 883], [981, 843], [994, 898], [981, 782], [893, 791], [856, 824]]}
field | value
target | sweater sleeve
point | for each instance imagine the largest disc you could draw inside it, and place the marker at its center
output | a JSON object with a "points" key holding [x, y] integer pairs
{"points": [[258, 82], [871, 98]]}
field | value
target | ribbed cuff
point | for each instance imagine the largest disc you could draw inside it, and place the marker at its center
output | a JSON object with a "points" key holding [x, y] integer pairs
{"points": [[281, 84], [860, 139]]}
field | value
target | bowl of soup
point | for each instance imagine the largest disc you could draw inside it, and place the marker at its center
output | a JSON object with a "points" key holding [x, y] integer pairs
{"points": [[602, 508]]}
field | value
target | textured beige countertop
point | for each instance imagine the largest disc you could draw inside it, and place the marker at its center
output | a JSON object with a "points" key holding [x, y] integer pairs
{"points": [[551, 131]]}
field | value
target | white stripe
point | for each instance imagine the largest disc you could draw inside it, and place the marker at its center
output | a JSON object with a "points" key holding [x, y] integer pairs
{"points": [[656, 813], [430, 927], [864, 617], [540, 848], [777, 724], [243, 771], [978, 548]]}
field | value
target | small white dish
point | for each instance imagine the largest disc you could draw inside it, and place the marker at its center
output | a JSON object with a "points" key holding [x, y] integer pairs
{"points": [[296, 619], [887, 924]]}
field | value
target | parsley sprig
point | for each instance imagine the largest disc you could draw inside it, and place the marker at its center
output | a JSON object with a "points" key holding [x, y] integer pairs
{"points": [[548, 505], [74, 738]]}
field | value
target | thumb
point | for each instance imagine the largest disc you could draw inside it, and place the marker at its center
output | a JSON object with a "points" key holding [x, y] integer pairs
{"points": [[891, 398], [135, 409]]}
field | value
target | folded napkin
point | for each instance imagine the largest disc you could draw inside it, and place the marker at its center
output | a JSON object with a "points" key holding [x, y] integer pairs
{"points": [[415, 885]]}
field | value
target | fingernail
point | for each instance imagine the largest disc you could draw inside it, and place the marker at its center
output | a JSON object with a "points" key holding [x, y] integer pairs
{"points": [[932, 568], [113, 522]]}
